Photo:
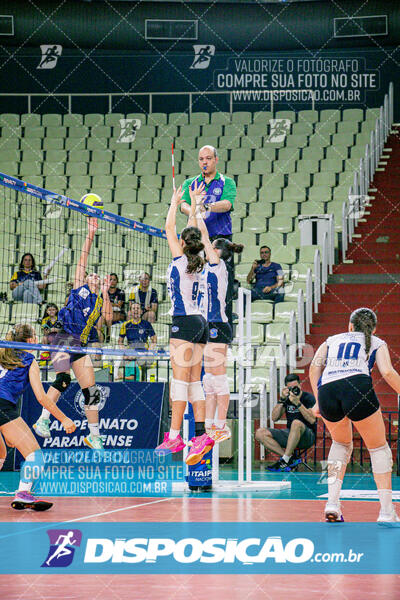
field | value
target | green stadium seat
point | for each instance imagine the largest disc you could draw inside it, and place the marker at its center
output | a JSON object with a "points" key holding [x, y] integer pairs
{"points": [[10, 143], [312, 153], [31, 144], [273, 332], [104, 193], [262, 116], [286, 114], [103, 156], [351, 164], [357, 152], [308, 166], [9, 119], [367, 126], [145, 167], [261, 166], [237, 167], [320, 193], [53, 168], [302, 128], [127, 154], [93, 119], [148, 131], [346, 178], [99, 168], [72, 120], [78, 132], [95, 143], [56, 132], [300, 180], [132, 210], [337, 152], [245, 195], [329, 114], [242, 269], [122, 168], [34, 132], [11, 132], [261, 312], [285, 166], [125, 195], [31, 168], [72, 168], [212, 130], [260, 209], [274, 240], [283, 209], [14, 155], [371, 114], [327, 178], [241, 117], [284, 255], [80, 182], [223, 118], [312, 207], [189, 131], [207, 141], [362, 139], [247, 238], [141, 116], [163, 142], [240, 209], [347, 127], [267, 153], [170, 131], [24, 312], [307, 116], [103, 181], [306, 254], [283, 311], [248, 180], [319, 139], [157, 118], [297, 141], [341, 193], [257, 129], [294, 193], [353, 114], [30, 120], [288, 154], [199, 118], [158, 222], [241, 154], [178, 118], [332, 164], [113, 119], [38, 180], [343, 139], [280, 224], [164, 168], [234, 131], [53, 143], [271, 192], [150, 182], [100, 131], [157, 209]]}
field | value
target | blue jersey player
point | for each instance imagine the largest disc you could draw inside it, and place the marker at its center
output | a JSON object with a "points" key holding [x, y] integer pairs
{"points": [[87, 302], [18, 369]]}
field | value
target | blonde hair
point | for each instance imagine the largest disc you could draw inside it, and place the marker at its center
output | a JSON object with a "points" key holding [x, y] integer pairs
{"points": [[9, 357]]}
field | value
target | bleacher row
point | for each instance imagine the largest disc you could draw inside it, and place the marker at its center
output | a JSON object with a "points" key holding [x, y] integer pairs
{"points": [[308, 171]]}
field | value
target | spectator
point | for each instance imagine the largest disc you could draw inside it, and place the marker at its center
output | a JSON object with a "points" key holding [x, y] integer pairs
{"points": [[146, 297], [117, 299], [137, 331], [269, 278], [25, 284], [301, 425], [49, 323], [220, 195]]}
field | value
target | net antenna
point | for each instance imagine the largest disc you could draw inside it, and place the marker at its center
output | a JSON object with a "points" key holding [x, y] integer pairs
{"points": [[173, 167]]}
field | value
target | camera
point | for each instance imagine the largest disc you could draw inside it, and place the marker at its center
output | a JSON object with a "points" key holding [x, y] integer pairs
{"points": [[295, 390]]}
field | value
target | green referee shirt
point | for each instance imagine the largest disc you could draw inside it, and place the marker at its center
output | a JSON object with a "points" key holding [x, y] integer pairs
{"points": [[228, 193]]}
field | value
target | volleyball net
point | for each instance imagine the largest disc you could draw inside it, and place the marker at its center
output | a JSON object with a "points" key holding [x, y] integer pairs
{"points": [[52, 229]]}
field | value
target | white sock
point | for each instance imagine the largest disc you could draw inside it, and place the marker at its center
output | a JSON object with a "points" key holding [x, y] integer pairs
{"points": [[173, 434], [45, 414], [25, 487], [385, 498], [94, 429], [208, 423], [286, 457], [220, 423], [334, 491]]}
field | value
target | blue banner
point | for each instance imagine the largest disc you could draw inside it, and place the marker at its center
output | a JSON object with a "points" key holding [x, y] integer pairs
{"points": [[130, 417], [200, 548]]}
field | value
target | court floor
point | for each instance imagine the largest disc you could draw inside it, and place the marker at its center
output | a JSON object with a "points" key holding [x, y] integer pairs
{"points": [[301, 504]]}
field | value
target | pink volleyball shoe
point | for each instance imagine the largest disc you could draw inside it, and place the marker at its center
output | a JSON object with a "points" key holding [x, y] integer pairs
{"points": [[199, 447], [170, 446]]}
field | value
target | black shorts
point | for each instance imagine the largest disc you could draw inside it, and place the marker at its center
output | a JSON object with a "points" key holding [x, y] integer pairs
{"points": [[62, 361], [282, 435], [8, 411], [191, 328], [353, 397], [220, 333]]}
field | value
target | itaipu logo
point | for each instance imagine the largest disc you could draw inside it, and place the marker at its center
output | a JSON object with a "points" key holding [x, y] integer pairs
{"points": [[79, 400], [63, 543]]}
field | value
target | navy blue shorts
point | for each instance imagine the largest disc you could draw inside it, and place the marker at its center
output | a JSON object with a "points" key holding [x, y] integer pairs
{"points": [[353, 397], [219, 333], [191, 328]]}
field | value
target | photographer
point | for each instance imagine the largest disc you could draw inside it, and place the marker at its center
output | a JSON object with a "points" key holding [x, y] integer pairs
{"points": [[301, 425]]}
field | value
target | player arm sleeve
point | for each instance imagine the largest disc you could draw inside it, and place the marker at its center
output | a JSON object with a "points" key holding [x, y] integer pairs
{"points": [[229, 192]]}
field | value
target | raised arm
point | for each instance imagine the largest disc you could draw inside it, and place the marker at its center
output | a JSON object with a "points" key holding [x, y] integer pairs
{"points": [[83, 260], [43, 399], [196, 197], [170, 223]]}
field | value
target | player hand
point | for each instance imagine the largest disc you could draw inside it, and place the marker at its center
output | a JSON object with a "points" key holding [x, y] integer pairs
{"points": [[198, 193], [177, 198], [68, 425], [92, 225], [105, 284]]}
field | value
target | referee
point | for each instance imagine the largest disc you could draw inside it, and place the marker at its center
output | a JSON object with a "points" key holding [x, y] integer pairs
{"points": [[219, 203]]}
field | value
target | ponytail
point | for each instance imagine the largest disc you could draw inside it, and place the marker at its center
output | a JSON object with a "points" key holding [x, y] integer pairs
{"points": [[364, 321], [9, 357], [192, 248], [227, 248]]}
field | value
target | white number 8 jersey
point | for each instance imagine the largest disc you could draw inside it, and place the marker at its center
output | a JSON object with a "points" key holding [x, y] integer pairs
{"points": [[346, 356], [183, 288]]}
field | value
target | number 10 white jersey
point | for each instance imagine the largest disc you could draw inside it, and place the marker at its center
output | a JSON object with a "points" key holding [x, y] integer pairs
{"points": [[346, 356]]}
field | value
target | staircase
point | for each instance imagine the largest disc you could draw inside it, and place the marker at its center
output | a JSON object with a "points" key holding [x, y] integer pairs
{"points": [[373, 278]]}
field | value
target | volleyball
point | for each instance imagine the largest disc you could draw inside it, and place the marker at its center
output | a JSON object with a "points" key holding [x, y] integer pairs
{"points": [[92, 200]]}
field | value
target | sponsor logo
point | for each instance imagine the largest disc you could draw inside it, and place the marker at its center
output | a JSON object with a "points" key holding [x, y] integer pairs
{"points": [[50, 55], [217, 191], [84, 293], [79, 400], [109, 218], [174, 329], [63, 543], [129, 128], [279, 129], [203, 54], [33, 192], [213, 332], [10, 181]]}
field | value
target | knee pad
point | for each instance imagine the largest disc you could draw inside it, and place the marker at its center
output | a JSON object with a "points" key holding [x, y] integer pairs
{"points": [[221, 385], [340, 453], [179, 390], [208, 384], [91, 396], [61, 382], [195, 391], [381, 459], [32, 467]]}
